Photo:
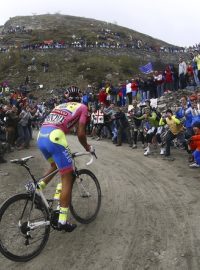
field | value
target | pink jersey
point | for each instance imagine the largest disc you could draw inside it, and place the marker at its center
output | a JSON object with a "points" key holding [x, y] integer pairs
{"points": [[66, 115]]}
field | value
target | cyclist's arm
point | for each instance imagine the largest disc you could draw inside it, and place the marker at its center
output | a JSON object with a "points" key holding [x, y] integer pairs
{"points": [[82, 136]]}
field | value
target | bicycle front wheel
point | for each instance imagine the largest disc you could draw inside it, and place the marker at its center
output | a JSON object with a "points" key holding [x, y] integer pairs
{"points": [[86, 197], [24, 228]]}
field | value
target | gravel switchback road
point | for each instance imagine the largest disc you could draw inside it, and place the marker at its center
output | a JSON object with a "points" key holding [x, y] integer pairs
{"points": [[149, 217]]}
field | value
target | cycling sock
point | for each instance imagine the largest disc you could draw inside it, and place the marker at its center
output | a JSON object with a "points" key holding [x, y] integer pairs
{"points": [[42, 185], [63, 215]]}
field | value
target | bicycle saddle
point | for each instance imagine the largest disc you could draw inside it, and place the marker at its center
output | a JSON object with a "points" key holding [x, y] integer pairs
{"points": [[21, 161]]}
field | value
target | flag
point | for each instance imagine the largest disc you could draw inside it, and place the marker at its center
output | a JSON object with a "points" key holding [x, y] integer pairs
{"points": [[147, 68]]}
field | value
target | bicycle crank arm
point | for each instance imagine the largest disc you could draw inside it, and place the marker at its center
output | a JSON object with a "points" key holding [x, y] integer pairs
{"points": [[34, 225]]}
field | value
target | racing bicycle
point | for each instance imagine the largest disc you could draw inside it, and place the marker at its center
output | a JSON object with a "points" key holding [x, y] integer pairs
{"points": [[26, 219]]}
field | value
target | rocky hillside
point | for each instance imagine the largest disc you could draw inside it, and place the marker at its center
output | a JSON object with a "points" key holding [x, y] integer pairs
{"points": [[91, 51]]}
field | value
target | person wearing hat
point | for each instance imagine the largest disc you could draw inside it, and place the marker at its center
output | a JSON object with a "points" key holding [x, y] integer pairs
{"points": [[194, 145], [175, 130], [129, 97], [136, 125]]}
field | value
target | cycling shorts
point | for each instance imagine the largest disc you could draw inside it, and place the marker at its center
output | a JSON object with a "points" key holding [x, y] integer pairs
{"points": [[53, 144]]}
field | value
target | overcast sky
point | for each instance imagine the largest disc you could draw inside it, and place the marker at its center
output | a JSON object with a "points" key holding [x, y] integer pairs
{"points": [[174, 21]]}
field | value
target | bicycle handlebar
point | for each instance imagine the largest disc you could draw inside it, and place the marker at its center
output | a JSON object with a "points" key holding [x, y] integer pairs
{"points": [[79, 154]]}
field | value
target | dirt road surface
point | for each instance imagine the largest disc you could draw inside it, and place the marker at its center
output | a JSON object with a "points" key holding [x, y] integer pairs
{"points": [[149, 217]]}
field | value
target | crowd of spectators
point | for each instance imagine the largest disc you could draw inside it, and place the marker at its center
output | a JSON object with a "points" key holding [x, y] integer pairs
{"points": [[105, 38], [143, 125], [95, 44], [125, 112], [132, 122], [16, 29], [154, 85], [19, 114]]}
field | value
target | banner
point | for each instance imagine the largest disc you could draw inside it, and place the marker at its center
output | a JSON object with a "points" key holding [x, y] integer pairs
{"points": [[148, 68]]}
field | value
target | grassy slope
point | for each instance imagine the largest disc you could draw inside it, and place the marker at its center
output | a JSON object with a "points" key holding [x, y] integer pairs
{"points": [[72, 65]]}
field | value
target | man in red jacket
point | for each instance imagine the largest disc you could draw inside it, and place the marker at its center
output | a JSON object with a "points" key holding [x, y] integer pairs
{"points": [[168, 80], [134, 88], [102, 96]]}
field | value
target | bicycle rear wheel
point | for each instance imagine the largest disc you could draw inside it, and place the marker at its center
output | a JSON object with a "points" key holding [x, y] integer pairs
{"points": [[86, 197], [17, 241]]}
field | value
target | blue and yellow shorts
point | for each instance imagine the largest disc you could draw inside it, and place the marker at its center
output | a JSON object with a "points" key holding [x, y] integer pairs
{"points": [[53, 144]]}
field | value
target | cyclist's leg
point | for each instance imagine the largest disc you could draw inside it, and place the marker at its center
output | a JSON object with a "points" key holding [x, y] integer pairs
{"points": [[44, 144], [62, 156]]}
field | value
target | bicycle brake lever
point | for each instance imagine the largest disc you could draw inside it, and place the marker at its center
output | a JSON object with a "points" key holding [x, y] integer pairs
{"points": [[94, 154]]}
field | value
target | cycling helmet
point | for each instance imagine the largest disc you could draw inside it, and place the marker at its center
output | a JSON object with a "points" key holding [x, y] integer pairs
{"points": [[73, 93]]}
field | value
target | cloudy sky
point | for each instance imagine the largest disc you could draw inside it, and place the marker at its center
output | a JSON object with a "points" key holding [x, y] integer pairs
{"points": [[174, 21]]}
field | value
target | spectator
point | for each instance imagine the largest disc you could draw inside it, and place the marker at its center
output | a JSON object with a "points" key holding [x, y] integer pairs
{"points": [[150, 87], [94, 122], [197, 60], [195, 70], [11, 126], [122, 125], [23, 131], [105, 122], [175, 76], [168, 80], [158, 79], [136, 124], [151, 123], [102, 96], [175, 129], [134, 89], [194, 145], [182, 69], [129, 96], [140, 82]]}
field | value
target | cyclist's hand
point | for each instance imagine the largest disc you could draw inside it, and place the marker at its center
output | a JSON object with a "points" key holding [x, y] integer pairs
{"points": [[89, 148]]}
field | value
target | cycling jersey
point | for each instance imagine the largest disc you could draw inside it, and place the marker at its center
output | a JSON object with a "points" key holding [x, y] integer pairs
{"points": [[52, 137], [66, 115]]}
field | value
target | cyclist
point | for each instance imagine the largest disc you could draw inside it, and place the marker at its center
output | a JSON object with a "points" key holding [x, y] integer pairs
{"points": [[53, 145]]}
